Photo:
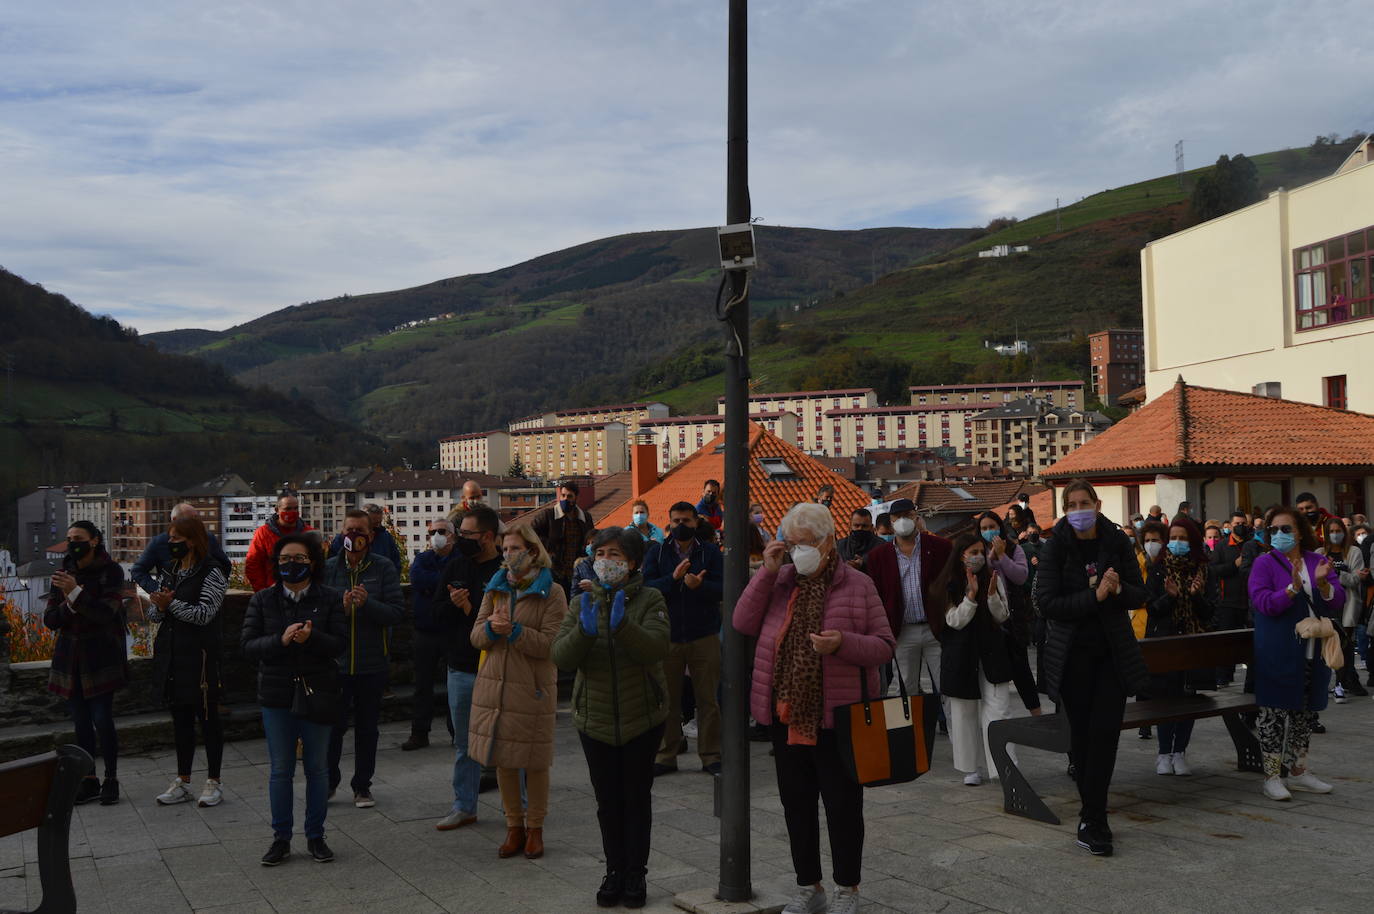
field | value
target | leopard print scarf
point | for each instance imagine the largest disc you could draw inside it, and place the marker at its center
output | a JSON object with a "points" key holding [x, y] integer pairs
{"points": [[1181, 570], [797, 667]]}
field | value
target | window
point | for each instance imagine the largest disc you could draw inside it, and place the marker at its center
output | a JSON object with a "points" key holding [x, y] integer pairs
{"points": [[1335, 391], [1331, 280]]}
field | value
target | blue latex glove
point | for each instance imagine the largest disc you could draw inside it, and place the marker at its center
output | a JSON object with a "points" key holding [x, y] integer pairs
{"points": [[587, 616], [617, 610]]}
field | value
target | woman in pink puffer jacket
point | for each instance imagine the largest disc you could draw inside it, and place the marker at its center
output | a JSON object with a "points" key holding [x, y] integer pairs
{"points": [[820, 627]]}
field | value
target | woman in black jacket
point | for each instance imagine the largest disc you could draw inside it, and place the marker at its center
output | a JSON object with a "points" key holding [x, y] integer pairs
{"points": [[296, 630], [1086, 584], [1182, 600], [90, 660], [186, 653]]}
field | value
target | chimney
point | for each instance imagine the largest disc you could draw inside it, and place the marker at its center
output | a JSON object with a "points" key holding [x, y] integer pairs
{"points": [[643, 465]]}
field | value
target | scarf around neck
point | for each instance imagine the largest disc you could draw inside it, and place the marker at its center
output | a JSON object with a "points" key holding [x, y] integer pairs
{"points": [[797, 667], [1181, 570]]}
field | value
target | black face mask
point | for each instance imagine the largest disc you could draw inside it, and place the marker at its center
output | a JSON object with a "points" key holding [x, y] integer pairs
{"points": [[178, 550], [862, 540], [1313, 516], [468, 547], [709, 497], [684, 533], [294, 572], [1241, 531], [78, 549]]}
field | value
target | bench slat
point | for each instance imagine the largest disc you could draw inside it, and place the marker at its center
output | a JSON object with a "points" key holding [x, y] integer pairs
{"points": [[1189, 707], [24, 788], [1176, 653]]}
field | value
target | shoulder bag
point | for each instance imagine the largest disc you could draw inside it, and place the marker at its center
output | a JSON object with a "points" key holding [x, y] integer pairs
{"points": [[888, 740]]}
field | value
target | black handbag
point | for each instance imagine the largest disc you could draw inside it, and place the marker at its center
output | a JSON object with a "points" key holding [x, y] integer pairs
{"points": [[314, 701]]}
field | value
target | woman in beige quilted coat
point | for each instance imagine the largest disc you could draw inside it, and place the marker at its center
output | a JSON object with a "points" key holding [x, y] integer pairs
{"points": [[515, 697]]}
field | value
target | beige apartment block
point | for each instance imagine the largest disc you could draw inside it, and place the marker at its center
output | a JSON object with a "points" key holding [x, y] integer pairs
{"points": [[679, 437], [810, 407], [552, 452], [1066, 394], [478, 452], [851, 432], [1274, 298], [1028, 435], [628, 414], [328, 493]]}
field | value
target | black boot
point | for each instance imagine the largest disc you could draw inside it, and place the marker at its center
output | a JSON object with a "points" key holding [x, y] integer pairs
{"points": [[1095, 839], [636, 891], [88, 791], [109, 792], [612, 887], [277, 853], [319, 850]]}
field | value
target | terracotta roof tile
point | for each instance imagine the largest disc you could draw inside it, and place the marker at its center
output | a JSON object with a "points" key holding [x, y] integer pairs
{"points": [[1205, 427], [940, 498], [685, 481]]}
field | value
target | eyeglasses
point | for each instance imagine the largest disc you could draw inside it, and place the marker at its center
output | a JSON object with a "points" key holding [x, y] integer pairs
{"points": [[469, 534], [294, 560], [1283, 528]]}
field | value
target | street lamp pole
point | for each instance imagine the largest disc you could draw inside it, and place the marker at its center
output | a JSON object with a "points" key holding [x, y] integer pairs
{"points": [[734, 779]]}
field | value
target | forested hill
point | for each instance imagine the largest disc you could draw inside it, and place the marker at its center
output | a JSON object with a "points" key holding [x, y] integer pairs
{"points": [[85, 401], [600, 321]]}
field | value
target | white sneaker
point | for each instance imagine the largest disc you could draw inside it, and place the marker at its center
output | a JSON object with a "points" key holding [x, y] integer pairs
{"points": [[1340, 694], [846, 901], [177, 793], [1309, 782], [1181, 765], [1164, 764], [973, 779], [809, 900], [690, 728], [211, 795], [1274, 789]]}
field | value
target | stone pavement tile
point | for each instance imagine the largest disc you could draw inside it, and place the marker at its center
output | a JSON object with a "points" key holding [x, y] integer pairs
{"points": [[1018, 898], [209, 875], [242, 907], [899, 895]]}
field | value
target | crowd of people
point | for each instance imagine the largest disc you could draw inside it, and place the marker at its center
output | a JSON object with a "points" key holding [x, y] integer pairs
{"points": [[633, 613]]}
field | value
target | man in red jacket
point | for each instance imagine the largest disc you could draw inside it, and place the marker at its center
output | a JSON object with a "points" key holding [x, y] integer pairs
{"points": [[257, 567], [902, 571]]}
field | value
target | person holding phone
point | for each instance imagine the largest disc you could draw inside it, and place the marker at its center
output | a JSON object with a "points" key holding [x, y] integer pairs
{"points": [[1087, 582], [90, 656], [295, 630], [459, 595]]}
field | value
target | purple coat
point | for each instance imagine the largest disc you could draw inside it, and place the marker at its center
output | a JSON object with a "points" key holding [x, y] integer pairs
{"points": [[1282, 675], [852, 607]]}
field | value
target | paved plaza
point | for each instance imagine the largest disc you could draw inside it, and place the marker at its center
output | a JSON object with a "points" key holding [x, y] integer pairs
{"points": [[1209, 842]]}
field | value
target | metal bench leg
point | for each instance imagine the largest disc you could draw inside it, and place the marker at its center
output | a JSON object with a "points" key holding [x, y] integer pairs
{"points": [[1018, 796], [54, 865], [1248, 756]]}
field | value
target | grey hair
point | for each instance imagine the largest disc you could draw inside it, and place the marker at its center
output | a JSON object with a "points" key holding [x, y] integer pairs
{"points": [[373, 508], [814, 518], [184, 508], [445, 521]]}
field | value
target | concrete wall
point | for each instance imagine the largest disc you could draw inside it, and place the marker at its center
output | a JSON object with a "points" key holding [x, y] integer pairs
{"points": [[1218, 297]]}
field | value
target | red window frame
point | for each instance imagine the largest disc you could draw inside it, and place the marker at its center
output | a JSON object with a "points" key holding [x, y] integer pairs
{"points": [[1334, 388], [1332, 282]]}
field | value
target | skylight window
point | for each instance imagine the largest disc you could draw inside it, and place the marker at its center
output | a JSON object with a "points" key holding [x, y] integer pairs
{"points": [[962, 493], [777, 468]]}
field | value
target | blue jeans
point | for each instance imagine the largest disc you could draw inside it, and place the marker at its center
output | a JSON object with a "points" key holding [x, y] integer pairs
{"points": [[283, 729], [467, 773]]}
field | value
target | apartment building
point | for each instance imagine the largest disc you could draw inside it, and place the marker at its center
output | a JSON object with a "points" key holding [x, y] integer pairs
{"points": [[552, 452], [1067, 394], [240, 515], [42, 522], [90, 502], [208, 498], [852, 432], [138, 512], [414, 498], [679, 437], [628, 414], [478, 452], [810, 407], [1118, 362], [1028, 435], [327, 494]]}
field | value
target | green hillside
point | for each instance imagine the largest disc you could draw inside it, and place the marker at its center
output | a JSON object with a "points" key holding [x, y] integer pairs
{"points": [[86, 401]]}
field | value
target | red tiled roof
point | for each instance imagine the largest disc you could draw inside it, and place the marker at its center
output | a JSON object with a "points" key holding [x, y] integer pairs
{"points": [[612, 490], [1133, 397], [940, 498], [1201, 427], [685, 481], [1007, 385]]}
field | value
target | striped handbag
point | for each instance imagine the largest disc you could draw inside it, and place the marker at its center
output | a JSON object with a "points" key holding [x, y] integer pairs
{"points": [[888, 740]]}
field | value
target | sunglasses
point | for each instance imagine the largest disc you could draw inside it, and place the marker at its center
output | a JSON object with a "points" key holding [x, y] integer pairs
{"points": [[1282, 528]]}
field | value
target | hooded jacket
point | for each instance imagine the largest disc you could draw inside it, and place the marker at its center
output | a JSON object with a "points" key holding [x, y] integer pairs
{"points": [[369, 626]]}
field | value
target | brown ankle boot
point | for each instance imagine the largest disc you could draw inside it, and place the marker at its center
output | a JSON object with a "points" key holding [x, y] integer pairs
{"points": [[515, 842], [534, 843]]}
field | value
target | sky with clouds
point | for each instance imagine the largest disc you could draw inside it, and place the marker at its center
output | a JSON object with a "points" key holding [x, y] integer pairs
{"points": [[194, 164]]}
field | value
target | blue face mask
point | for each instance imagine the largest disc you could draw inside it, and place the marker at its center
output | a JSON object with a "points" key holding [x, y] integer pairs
{"points": [[1261, 536], [1139, 524], [566, 505], [989, 535], [1283, 541], [589, 549], [886, 537], [1179, 547]]}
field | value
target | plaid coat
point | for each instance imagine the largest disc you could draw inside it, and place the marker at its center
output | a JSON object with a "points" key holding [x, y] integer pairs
{"points": [[90, 647]]}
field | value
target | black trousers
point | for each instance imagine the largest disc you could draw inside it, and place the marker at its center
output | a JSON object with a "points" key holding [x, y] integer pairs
{"points": [[430, 663], [1021, 675], [184, 725], [362, 697], [92, 717], [623, 780], [809, 773], [1094, 702]]}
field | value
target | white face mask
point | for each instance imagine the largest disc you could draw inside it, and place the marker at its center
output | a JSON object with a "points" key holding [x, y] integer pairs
{"points": [[806, 559], [904, 527], [1152, 549], [438, 541], [611, 571], [1361, 537]]}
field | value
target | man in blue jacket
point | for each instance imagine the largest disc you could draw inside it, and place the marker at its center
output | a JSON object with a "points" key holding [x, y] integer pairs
{"points": [[372, 600], [690, 575], [428, 640], [156, 557]]}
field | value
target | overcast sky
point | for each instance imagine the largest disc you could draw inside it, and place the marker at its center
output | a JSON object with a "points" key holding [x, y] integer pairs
{"points": [[198, 164]]}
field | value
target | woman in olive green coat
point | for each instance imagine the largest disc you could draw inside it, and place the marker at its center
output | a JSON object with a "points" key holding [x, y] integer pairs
{"points": [[615, 637]]}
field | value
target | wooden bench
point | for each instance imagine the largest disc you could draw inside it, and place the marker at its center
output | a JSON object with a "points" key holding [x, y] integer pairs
{"points": [[39, 792], [1162, 655]]}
